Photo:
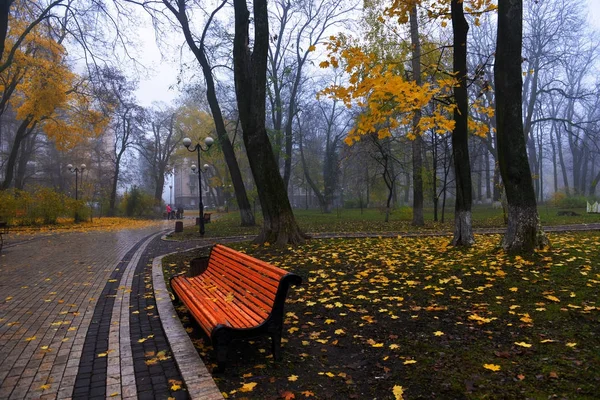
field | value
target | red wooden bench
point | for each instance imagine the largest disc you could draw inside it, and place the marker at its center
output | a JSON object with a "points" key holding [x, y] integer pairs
{"points": [[235, 296]]}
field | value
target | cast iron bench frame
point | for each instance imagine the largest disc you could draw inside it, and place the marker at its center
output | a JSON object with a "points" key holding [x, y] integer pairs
{"points": [[233, 296]]}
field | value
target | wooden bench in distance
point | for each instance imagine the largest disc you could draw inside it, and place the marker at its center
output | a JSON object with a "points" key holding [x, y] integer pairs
{"points": [[235, 296]]}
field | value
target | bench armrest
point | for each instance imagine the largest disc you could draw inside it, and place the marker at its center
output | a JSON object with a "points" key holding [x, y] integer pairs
{"points": [[198, 265]]}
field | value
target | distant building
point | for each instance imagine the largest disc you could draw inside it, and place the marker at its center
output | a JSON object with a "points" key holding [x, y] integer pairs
{"points": [[185, 186]]}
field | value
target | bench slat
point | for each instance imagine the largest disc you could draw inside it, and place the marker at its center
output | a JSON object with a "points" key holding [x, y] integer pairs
{"points": [[266, 281], [255, 309], [203, 302], [265, 292], [206, 320], [251, 262], [236, 315]]}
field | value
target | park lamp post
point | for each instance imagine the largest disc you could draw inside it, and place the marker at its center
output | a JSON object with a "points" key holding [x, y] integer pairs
{"points": [[187, 142], [76, 171]]}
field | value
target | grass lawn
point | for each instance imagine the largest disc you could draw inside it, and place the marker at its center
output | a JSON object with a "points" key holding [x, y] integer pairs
{"points": [[372, 220], [413, 315]]}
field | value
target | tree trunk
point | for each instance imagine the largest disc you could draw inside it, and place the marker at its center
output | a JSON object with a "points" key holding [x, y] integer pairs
{"points": [[488, 189], [22, 132], [246, 214], [524, 232], [4, 14], [320, 197], [250, 68], [463, 229], [434, 167], [417, 144], [25, 153]]}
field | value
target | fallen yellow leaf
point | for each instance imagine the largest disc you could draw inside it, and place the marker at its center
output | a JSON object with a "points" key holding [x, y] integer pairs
{"points": [[492, 367], [248, 387], [398, 392], [523, 344]]}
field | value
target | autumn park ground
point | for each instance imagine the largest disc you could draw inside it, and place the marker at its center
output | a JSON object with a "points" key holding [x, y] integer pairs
{"points": [[411, 317], [398, 313]]}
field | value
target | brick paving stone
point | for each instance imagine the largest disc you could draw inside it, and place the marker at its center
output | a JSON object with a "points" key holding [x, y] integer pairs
{"points": [[72, 296]]}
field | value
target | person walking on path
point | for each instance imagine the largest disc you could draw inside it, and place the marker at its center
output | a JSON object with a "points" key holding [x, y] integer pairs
{"points": [[168, 211]]}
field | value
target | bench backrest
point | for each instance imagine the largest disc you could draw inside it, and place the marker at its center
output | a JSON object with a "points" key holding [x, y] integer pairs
{"points": [[248, 280]]}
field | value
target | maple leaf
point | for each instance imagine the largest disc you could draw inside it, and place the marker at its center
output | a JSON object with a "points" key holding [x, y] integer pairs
{"points": [[571, 344], [45, 387], [287, 395], [492, 367], [293, 378], [407, 362], [248, 387], [307, 393], [29, 339], [438, 333], [398, 392]]}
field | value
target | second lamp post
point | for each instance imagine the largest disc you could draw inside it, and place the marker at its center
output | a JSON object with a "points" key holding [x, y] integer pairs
{"points": [[76, 170], [187, 142]]}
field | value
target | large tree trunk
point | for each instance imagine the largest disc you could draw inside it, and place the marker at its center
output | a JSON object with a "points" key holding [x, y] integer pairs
{"points": [[250, 68], [524, 232], [463, 228], [4, 14], [22, 132], [25, 153], [417, 144], [246, 214]]}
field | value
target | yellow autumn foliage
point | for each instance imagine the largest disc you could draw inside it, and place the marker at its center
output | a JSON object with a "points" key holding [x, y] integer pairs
{"points": [[47, 93], [381, 87]]}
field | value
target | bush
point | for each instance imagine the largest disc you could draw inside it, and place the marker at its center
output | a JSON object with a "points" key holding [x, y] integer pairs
{"points": [[561, 200], [46, 206], [8, 205], [137, 203], [41, 206]]}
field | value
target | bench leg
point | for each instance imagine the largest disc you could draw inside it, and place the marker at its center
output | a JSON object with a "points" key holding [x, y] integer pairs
{"points": [[276, 345], [221, 352]]}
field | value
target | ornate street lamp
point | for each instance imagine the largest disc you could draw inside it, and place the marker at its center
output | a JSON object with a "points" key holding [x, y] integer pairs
{"points": [[76, 171], [187, 142]]}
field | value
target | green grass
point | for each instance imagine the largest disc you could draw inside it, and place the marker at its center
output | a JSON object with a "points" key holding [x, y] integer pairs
{"points": [[372, 220]]}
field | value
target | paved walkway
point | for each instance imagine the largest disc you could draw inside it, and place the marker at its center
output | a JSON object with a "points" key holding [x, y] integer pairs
{"points": [[79, 318], [87, 316]]}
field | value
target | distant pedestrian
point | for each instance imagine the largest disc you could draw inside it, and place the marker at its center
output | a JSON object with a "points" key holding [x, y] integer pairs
{"points": [[168, 211]]}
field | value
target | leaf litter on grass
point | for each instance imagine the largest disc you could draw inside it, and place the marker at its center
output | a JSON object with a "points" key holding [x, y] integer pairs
{"points": [[376, 314]]}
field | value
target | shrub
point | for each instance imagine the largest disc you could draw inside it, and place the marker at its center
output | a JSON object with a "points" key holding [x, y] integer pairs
{"points": [[561, 200], [46, 206], [8, 206], [137, 203]]}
